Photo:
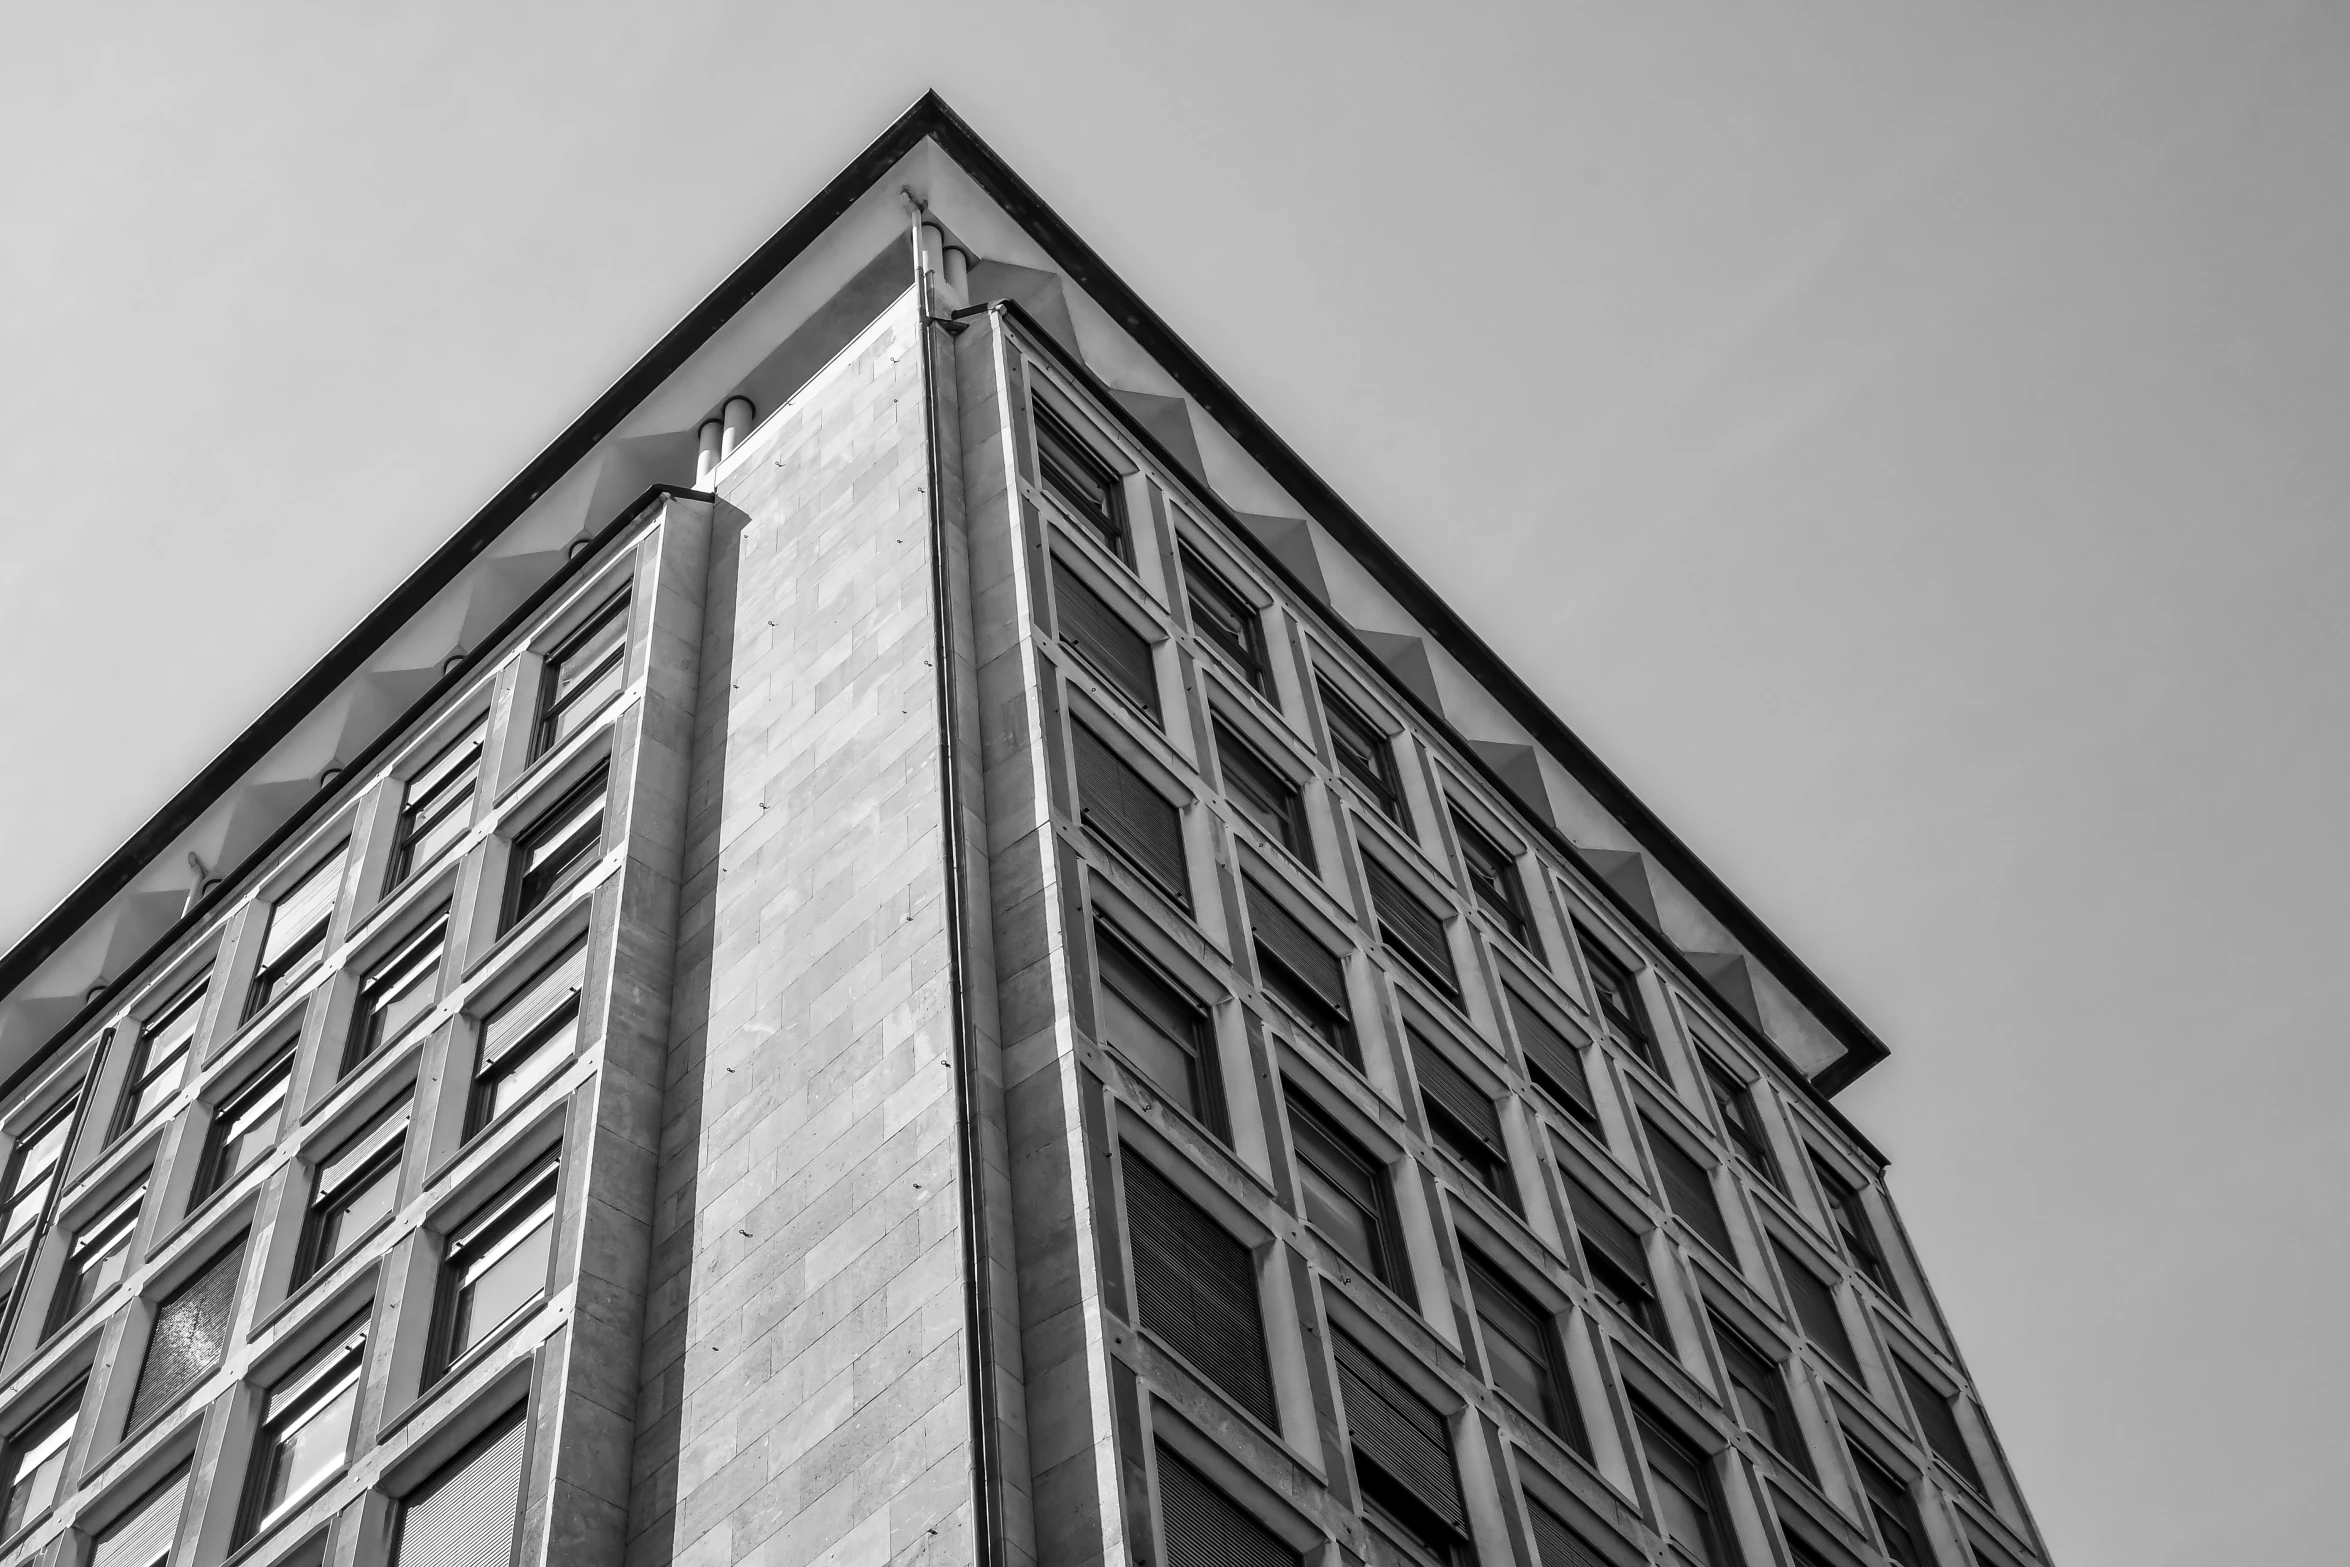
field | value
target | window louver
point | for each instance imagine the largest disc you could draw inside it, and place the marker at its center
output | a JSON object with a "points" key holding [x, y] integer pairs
{"points": [[303, 909], [1556, 1542], [143, 1536], [1689, 1192], [1197, 1288], [1117, 802], [1815, 1308], [1397, 1431], [1411, 927], [1600, 1227], [1554, 1059], [1289, 944], [1110, 647], [190, 1335], [465, 1515], [1459, 1098], [1205, 1528]]}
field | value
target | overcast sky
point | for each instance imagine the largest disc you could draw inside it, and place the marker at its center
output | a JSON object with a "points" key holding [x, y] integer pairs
{"points": [[1908, 442]]}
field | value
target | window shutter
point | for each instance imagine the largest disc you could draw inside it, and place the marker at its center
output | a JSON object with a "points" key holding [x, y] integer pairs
{"points": [[1410, 926], [1553, 1055], [521, 1017], [1289, 944], [1119, 803], [143, 1536], [465, 1515], [1204, 1528], [1815, 1308], [1600, 1227], [1940, 1423], [1197, 1288], [191, 1332], [303, 909], [1397, 1431], [1556, 1541], [1689, 1192], [1459, 1098], [1115, 650]]}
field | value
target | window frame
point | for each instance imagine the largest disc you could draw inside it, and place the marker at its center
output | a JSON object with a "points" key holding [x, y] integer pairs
{"points": [[54, 1443], [273, 980], [551, 708], [58, 1119], [274, 1078], [1734, 1103], [1631, 1295], [487, 1235], [401, 966], [1112, 528], [1855, 1229], [320, 1378], [552, 825], [1611, 977], [1556, 1409], [1206, 1085], [132, 1105], [408, 830], [116, 1221], [481, 1110], [380, 1151], [1501, 895], [1202, 581], [1897, 1498], [1740, 1353], [1489, 1164], [1236, 761], [1657, 1433], [1370, 768], [1389, 1263]]}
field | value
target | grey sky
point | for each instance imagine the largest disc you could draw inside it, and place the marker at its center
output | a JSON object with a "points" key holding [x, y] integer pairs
{"points": [[1906, 441]]}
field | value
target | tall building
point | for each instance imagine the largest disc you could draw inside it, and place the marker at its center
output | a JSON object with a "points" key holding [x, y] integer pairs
{"points": [[918, 948]]}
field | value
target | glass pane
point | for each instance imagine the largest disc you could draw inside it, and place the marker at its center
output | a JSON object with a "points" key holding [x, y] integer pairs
{"points": [[405, 1005], [34, 1489], [585, 701], [312, 1447], [250, 1134], [523, 1071], [1520, 1374], [503, 1287], [1342, 1220], [1684, 1520], [1163, 1059], [357, 1212]]}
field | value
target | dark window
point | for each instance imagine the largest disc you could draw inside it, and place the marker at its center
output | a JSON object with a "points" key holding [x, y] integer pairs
{"points": [[1403, 1452], [398, 990], [1618, 994], [1364, 754], [1815, 1309], [1104, 643], [244, 1129], [1848, 1208], [497, 1263], [1493, 877], [1345, 1194], [438, 806], [190, 1335], [296, 939], [1689, 1190], [1462, 1119], [1305, 976], [98, 1257], [556, 850], [1522, 1354], [159, 1062], [1758, 1390], [144, 1535], [305, 1432], [1225, 619], [1263, 795], [358, 1186], [1554, 1063], [1558, 1543], [1160, 1030], [1688, 1501], [33, 1459], [467, 1514], [1206, 1528], [1939, 1421], [1735, 1101], [528, 1039], [1616, 1260], [32, 1173], [1119, 806], [1893, 1510], [583, 674], [1410, 929], [1801, 1553], [1196, 1288], [1086, 487]]}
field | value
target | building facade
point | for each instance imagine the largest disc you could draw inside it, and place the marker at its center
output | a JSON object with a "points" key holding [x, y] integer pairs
{"points": [[918, 948]]}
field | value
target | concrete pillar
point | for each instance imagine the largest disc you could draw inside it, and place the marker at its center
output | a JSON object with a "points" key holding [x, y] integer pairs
{"points": [[706, 453], [736, 425]]}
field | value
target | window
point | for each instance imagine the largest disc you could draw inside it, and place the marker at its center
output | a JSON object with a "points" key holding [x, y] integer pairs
{"points": [[1618, 995], [1345, 1194], [144, 1536], [296, 939], [556, 850], [1681, 1481], [1615, 1260], [1558, 1543], [1493, 877], [244, 1130], [1227, 621], [305, 1431], [497, 1263], [33, 1173], [358, 1184], [1119, 806], [1758, 1391], [1196, 1288], [1263, 795], [1410, 929], [1303, 975], [1206, 1528], [1848, 1209], [1815, 1309], [1403, 1453], [190, 1334], [1462, 1119], [159, 1062], [1939, 1420], [34, 1458], [583, 674], [528, 1039], [1159, 1029], [1735, 1101], [1087, 488], [397, 991], [1892, 1509], [1522, 1354], [470, 1511], [438, 806], [1104, 643], [1689, 1191], [1364, 755], [97, 1258], [1554, 1063]]}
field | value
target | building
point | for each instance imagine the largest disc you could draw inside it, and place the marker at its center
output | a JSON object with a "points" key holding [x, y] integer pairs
{"points": [[918, 948]]}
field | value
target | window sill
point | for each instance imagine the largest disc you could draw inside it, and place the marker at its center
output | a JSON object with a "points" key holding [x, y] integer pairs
{"points": [[1159, 1098], [27, 1529], [540, 756], [548, 913], [1160, 1346], [315, 1286], [489, 1130], [148, 1427], [457, 1370], [1356, 1274]]}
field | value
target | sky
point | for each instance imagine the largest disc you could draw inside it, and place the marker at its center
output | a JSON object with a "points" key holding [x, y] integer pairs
{"points": [[1906, 441]]}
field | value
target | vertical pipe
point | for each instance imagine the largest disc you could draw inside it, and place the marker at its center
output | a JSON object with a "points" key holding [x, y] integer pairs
{"points": [[957, 275], [737, 424], [706, 453]]}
